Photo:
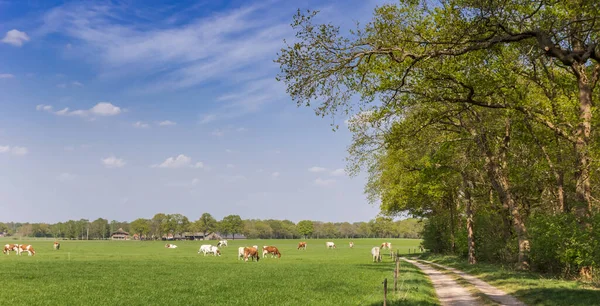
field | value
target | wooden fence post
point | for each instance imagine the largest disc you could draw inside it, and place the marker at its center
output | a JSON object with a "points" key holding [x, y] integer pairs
{"points": [[396, 276], [384, 291]]}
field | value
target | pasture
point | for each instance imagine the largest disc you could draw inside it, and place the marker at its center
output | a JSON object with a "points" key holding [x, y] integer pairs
{"points": [[147, 273]]}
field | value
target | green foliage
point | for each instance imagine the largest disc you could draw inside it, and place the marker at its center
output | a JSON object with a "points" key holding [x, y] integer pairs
{"points": [[206, 223], [305, 228]]}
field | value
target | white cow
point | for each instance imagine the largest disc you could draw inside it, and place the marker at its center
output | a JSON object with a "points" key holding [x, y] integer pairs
{"points": [[214, 250], [170, 246], [240, 253], [376, 254], [330, 245], [205, 248], [222, 243], [351, 244]]}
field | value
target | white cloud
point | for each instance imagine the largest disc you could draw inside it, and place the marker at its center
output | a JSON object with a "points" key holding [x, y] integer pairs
{"points": [[316, 169], [19, 151], [166, 123], [105, 109], [6, 76], [208, 118], [100, 109], [228, 151], [65, 176], [199, 165], [195, 181], [275, 174], [113, 162], [75, 83], [324, 182], [15, 37], [218, 133], [241, 129], [180, 161], [141, 125], [338, 172], [4, 149], [230, 166]]}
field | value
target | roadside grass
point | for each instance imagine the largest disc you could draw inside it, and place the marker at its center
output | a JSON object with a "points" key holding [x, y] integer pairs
{"points": [[531, 288], [146, 273]]}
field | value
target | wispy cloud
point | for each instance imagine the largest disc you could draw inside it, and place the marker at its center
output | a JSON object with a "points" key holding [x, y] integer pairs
{"points": [[179, 161], [113, 162], [141, 125], [324, 182], [6, 76], [218, 133], [316, 169], [275, 174], [16, 150], [166, 123], [15, 37], [65, 176], [100, 109]]}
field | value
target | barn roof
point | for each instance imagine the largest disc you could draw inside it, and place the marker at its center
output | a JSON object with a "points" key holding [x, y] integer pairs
{"points": [[120, 231]]}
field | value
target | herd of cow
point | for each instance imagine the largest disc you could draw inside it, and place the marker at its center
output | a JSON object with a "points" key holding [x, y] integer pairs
{"points": [[252, 252], [243, 252]]}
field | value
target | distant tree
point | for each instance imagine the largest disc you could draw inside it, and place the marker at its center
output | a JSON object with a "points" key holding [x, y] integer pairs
{"points": [[140, 226], [156, 227], [330, 230], [231, 224], [99, 228], [305, 228], [347, 230], [206, 223]]}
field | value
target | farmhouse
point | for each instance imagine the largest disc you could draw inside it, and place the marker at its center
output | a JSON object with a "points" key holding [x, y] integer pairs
{"points": [[120, 234]]}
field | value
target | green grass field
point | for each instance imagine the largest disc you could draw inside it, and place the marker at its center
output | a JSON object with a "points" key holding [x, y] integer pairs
{"points": [[146, 273]]}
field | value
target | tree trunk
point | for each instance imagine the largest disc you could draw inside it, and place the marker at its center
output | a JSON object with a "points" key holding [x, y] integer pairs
{"points": [[495, 165], [469, 211], [582, 175]]}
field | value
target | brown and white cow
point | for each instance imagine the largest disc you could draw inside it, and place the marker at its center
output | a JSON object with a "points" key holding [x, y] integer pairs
{"points": [[56, 245], [271, 250], [351, 244], [170, 246], [10, 247], [26, 248], [251, 252], [386, 245], [302, 245]]}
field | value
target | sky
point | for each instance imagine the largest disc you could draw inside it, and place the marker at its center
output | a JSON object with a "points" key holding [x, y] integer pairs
{"points": [[124, 109]]}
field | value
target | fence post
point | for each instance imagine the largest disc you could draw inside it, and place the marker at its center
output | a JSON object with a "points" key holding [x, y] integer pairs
{"points": [[384, 291], [396, 276]]}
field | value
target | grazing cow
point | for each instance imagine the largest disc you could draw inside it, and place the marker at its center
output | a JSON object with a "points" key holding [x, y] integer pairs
{"points": [[241, 253], [351, 244], [56, 245], [251, 252], [330, 245], [205, 248], [271, 250], [10, 247], [170, 246], [302, 245], [376, 254], [214, 250], [222, 243], [25, 248], [386, 245]]}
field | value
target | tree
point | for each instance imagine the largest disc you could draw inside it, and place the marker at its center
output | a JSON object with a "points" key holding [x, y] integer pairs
{"points": [[305, 228], [141, 226], [157, 225], [99, 229], [206, 223], [231, 224], [466, 71]]}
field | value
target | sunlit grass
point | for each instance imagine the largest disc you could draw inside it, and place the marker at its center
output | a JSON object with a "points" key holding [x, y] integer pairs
{"points": [[146, 273]]}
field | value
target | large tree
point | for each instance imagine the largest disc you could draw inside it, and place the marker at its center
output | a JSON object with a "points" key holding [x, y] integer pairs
{"points": [[231, 224], [206, 223], [305, 228]]}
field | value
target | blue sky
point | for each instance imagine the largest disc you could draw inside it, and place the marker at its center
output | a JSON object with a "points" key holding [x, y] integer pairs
{"points": [[123, 109]]}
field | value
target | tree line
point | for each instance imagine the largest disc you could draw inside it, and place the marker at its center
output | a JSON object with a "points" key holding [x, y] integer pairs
{"points": [[161, 225], [476, 115]]}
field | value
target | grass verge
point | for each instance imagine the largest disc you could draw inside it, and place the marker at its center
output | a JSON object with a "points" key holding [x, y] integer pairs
{"points": [[531, 288]]}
